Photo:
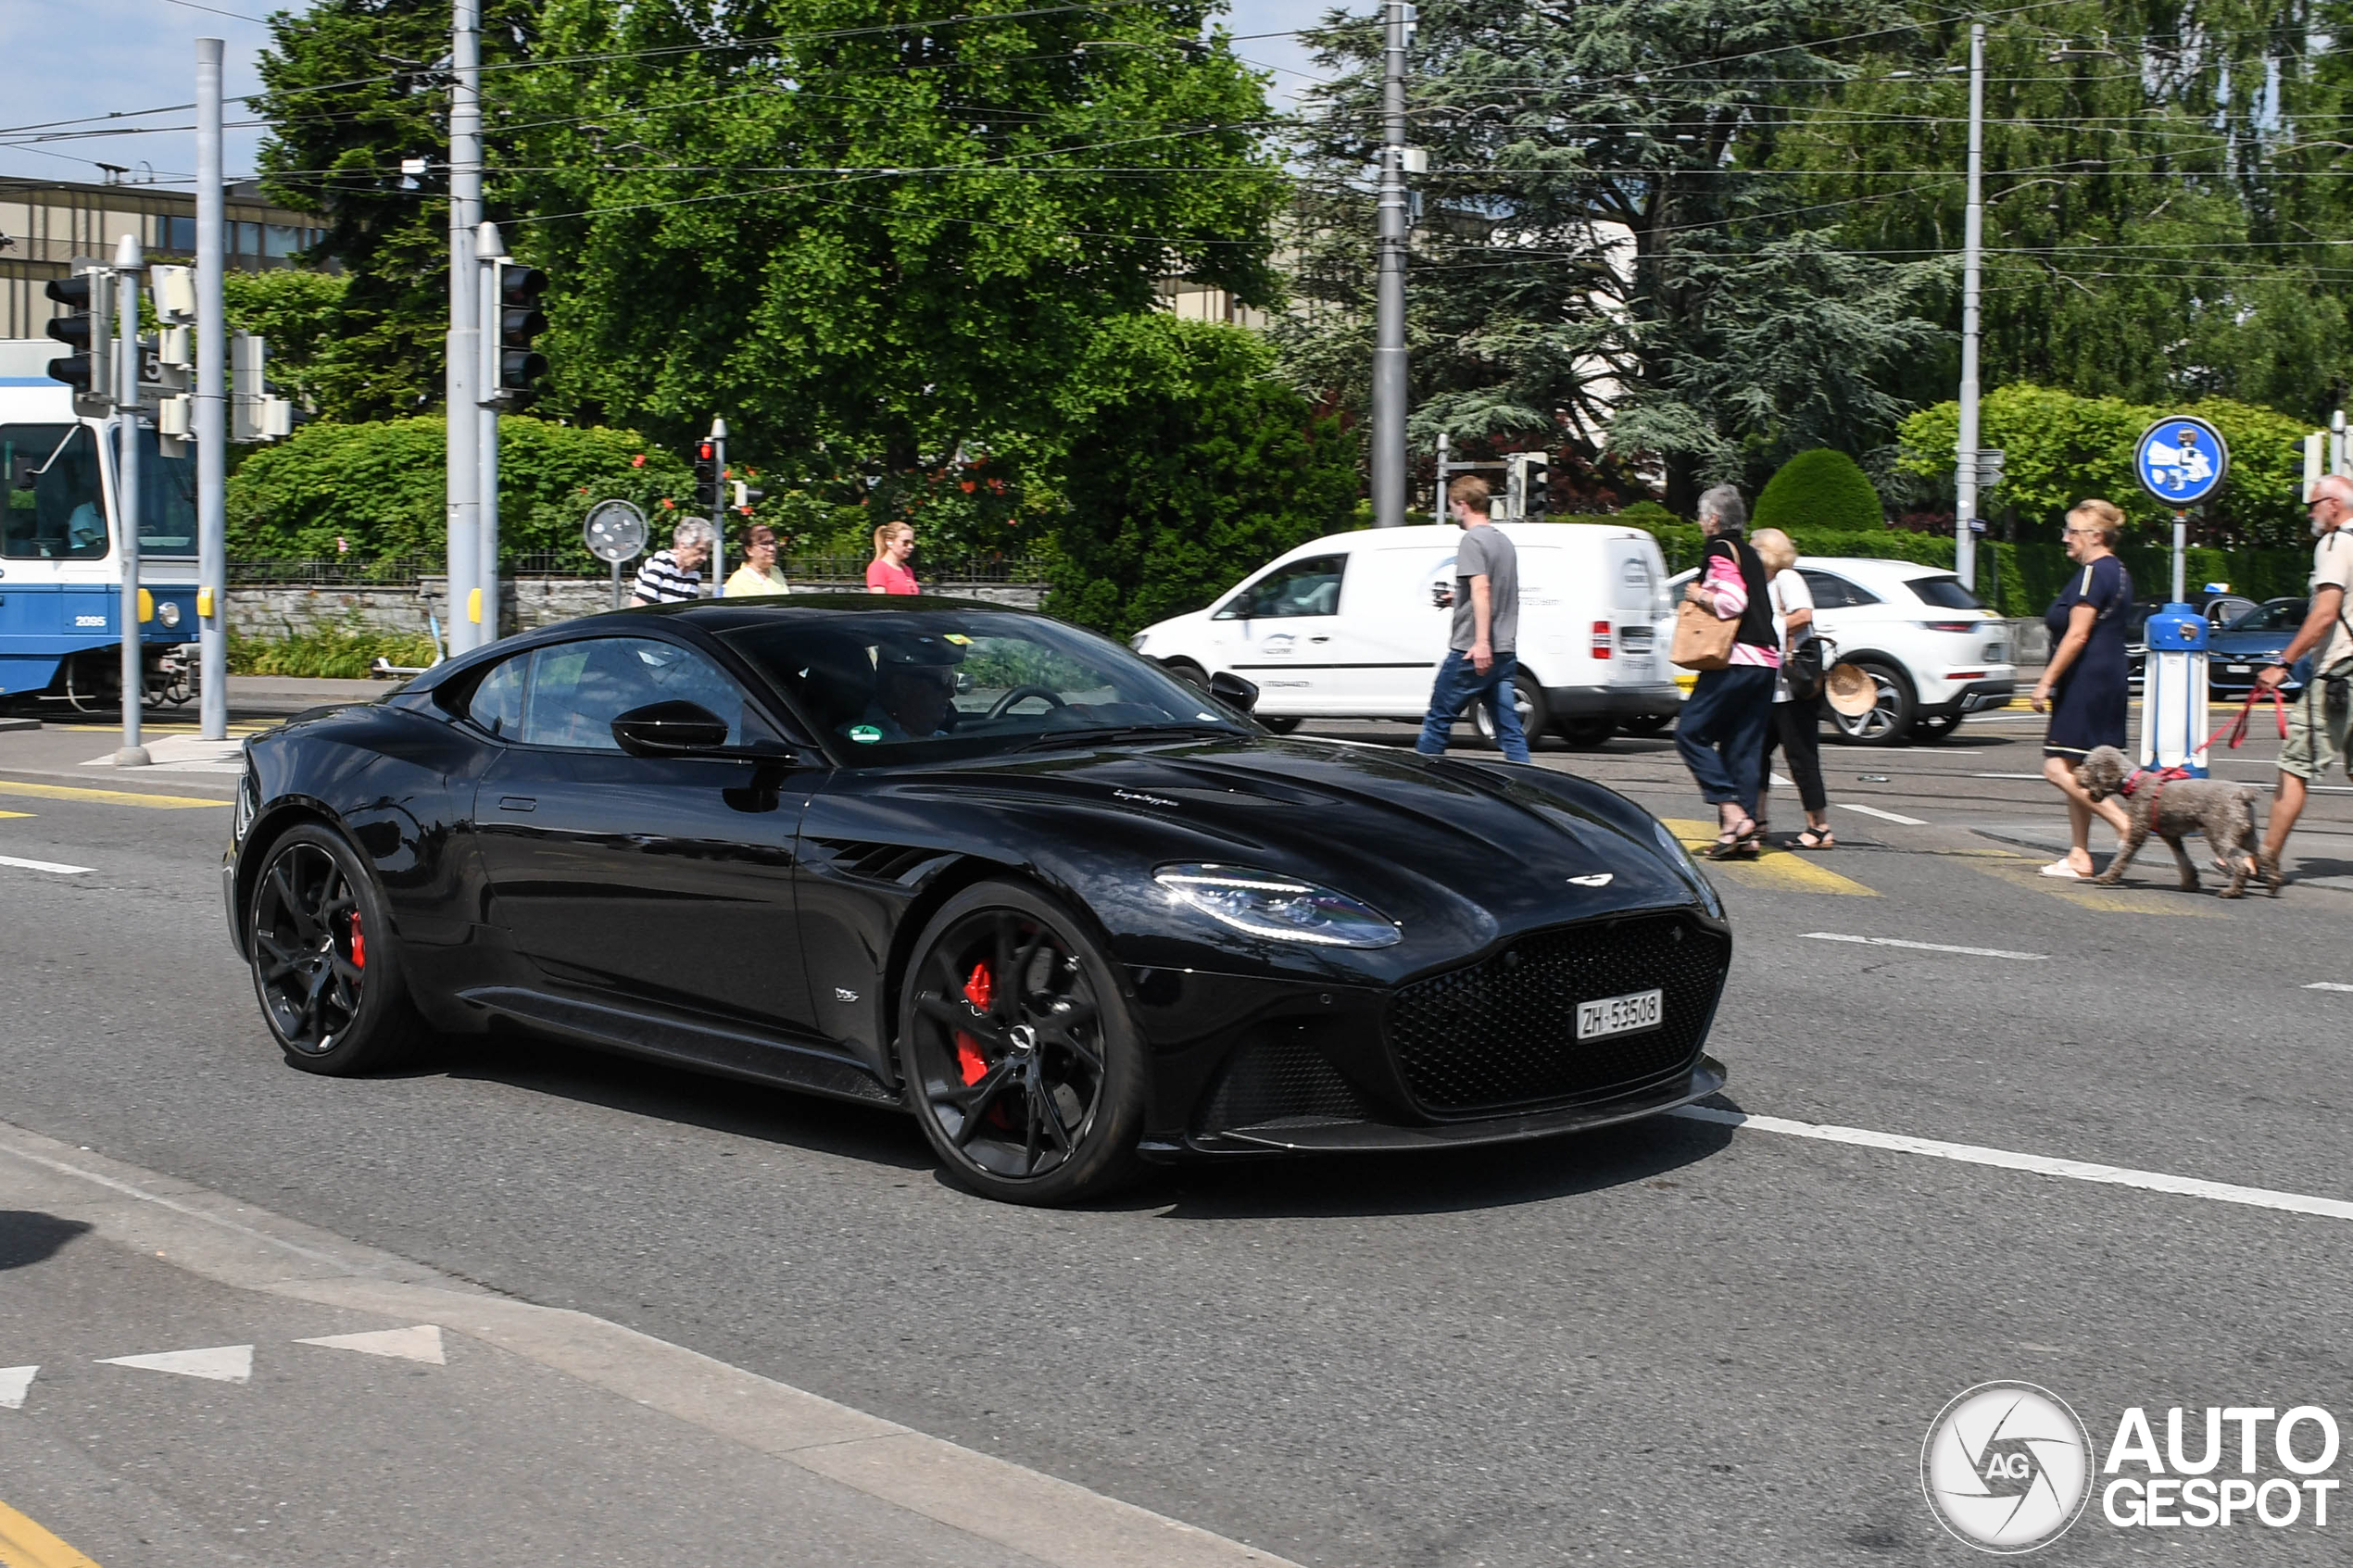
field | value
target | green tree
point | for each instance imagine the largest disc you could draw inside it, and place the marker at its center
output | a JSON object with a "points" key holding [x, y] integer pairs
{"points": [[379, 486], [1821, 489], [879, 237], [299, 313], [1190, 467]]}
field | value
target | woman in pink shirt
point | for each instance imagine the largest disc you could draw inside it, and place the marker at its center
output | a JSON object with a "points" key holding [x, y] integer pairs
{"points": [[894, 542], [1721, 731]]}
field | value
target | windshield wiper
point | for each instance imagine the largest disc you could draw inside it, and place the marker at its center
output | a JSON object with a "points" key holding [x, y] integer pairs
{"points": [[1117, 733]]}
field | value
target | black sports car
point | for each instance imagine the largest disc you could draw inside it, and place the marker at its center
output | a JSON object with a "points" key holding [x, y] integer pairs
{"points": [[1068, 910]]}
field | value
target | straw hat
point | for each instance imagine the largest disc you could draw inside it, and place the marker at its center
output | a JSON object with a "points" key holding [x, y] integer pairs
{"points": [[1850, 691]]}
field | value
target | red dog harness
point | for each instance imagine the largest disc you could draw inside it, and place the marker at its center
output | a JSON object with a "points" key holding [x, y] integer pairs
{"points": [[2158, 779]]}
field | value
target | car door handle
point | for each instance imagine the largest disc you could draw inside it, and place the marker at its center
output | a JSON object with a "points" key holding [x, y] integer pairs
{"points": [[1319, 639], [518, 803]]}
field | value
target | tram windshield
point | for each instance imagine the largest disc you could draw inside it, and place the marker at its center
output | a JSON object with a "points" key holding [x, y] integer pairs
{"points": [[56, 507]]}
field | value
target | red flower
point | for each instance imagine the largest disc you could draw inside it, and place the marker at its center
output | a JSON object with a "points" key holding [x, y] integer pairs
{"points": [[638, 461], [969, 487]]}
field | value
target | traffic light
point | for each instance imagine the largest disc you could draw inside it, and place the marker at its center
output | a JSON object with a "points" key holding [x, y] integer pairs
{"points": [[707, 477], [747, 498], [518, 368], [87, 327], [1527, 486]]}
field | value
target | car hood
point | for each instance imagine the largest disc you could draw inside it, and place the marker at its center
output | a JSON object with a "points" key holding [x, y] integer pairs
{"points": [[1459, 852]]}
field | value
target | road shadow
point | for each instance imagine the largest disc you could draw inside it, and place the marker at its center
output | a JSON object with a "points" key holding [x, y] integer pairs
{"points": [[1440, 1182], [29, 1237], [877, 1134]]}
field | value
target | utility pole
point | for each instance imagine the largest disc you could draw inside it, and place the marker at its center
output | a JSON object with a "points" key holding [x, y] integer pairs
{"points": [[718, 506], [1389, 353], [488, 252], [212, 410], [127, 264], [1972, 245], [463, 446]]}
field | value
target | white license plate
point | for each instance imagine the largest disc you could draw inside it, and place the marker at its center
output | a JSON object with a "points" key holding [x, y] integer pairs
{"points": [[2238, 669], [1620, 1015]]}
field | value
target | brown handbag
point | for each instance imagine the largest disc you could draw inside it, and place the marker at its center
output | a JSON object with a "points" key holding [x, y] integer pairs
{"points": [[1703, 639]]}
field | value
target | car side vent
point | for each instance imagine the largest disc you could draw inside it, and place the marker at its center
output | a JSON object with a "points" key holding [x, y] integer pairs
{"points": [[1279, 1082], [872, 862]]}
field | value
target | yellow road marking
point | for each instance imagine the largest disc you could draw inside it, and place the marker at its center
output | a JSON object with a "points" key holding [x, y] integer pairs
{"points": [[14, 813], [1776, 869], [109, 797], [24, 1544], [2021, 871]]}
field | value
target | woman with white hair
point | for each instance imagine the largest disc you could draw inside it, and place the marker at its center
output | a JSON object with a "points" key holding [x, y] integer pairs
{"points": [[1797, 721], [1721, 732], [674, 575]]}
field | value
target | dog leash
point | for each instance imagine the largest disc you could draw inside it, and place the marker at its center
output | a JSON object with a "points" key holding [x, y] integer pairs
{"points": [[2237, 727]]}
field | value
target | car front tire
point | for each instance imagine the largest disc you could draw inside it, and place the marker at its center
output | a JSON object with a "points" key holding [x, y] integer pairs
{"points": [[324, 958], [1527, 699], [1020, 1061]]}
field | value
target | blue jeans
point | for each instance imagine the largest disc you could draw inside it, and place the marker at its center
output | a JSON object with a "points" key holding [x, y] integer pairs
{"points": [[1458, 682], [1721, 733]]}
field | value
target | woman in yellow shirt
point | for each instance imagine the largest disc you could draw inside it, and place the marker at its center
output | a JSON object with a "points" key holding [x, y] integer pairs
{"points": [[759, 574]]}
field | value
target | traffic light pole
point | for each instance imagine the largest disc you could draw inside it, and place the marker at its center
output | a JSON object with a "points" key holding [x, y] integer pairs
{"points": [[1388, 352], [718, 506], [1965, 476], [211, 410], [464, 441], [128, 265], [488, 251]]}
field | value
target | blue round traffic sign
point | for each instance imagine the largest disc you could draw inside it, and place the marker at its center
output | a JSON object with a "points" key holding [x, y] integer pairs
{"points": [[2180, 460]]}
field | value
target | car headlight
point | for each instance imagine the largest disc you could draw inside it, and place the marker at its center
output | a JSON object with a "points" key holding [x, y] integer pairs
{"points": [[167, 612], [1266, 904]]}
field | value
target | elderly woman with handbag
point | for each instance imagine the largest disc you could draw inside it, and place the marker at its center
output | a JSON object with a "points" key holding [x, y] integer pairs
{"points": [[1723, 630], [1797, 693]]}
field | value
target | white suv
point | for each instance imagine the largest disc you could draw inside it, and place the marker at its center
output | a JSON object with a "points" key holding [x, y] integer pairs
{"points": [[1934, 649]]}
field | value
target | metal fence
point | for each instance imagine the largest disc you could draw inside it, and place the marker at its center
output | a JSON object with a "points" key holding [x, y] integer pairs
{"points": [[335, 572]]}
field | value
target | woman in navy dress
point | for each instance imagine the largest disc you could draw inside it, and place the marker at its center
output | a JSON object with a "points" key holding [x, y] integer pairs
{"points": [[2085, 684]]}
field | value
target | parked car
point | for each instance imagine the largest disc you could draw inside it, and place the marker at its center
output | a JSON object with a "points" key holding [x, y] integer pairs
{"points": [[1067, 912], [1350, 627], [2248, 644], [1930, 645]]}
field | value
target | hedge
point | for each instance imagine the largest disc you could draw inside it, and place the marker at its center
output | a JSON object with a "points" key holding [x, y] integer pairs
{"points": [[1823, 489]]}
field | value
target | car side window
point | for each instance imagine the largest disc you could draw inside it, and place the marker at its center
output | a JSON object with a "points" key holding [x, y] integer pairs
{"points": [[496, 702], [1835, 593], [1304, 587], [578, 689]]}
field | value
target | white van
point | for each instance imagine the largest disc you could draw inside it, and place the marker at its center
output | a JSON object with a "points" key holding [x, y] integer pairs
{"points": [[1348, 627]]}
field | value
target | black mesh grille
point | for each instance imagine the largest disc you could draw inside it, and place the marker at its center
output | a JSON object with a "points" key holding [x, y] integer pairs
{"points": [[1503, 1032], [1282, 1080]]}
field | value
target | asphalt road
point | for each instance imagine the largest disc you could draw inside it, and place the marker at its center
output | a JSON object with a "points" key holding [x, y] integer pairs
{"points": [[1670, 1343]]}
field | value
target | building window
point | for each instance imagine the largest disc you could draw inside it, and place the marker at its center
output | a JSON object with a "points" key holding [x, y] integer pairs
{"points": [[280, 240], [180, 235], [245, 238]]}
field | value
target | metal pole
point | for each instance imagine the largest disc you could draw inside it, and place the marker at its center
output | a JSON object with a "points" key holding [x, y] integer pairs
{"points": [[489, 251], [127, 264], [211, 410], [1972, 244], [464, 445], [2337, 442], [1389, 355], [2181, 544], [719, 507], [1438, 501]]}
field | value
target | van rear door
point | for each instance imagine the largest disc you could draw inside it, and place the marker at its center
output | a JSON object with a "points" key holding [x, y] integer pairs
{"points": [[1637, 575]]}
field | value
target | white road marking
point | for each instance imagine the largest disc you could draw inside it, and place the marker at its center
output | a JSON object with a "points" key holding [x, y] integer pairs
{"points": [[45, 866], [2006, 775], [2038, 1164], [421, 1343], [222, 1363], [1928, 947], [1883, 816], [2328, 985], [15, 1382]]}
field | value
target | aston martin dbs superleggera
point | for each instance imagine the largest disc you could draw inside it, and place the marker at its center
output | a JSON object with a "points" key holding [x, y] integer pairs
{"points": [[1068, 910]]}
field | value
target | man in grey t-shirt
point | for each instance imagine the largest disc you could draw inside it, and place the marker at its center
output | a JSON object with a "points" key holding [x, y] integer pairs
{"points": [[1478, 664]]}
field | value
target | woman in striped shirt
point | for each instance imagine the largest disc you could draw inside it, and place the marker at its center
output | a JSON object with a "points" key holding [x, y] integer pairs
{"points": [[1721, 731]]}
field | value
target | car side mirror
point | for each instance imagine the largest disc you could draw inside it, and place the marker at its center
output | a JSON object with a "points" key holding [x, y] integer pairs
{"points": [[1234, 692], [669, 729]]}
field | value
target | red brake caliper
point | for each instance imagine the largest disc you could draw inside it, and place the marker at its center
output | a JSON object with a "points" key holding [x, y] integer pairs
{"points": [[977, 991], [359, 942]]}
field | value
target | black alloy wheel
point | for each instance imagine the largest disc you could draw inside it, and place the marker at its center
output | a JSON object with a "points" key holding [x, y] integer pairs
{"points": [[1020, 1061], [325, 963]]}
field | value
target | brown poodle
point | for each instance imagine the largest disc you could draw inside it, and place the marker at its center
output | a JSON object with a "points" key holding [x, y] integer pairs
{"points": [[2172, 809]]}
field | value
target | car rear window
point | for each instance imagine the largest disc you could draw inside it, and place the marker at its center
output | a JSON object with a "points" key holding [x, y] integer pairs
{"points": [[1944, 592]]}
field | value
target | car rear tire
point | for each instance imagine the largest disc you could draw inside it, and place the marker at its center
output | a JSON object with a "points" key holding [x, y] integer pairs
{"points": [[1584, 734], [1020, 1061], [1889, 720], [1928, 729], [1280, 725], [1648, 724], [326, 963], [1527, 700]]}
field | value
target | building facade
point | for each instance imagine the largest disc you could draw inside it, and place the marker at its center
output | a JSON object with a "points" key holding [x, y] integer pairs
{"points": [[44, 225]]}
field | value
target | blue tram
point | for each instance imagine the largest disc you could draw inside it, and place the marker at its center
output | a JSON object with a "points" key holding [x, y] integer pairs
{"points": [[60, 575]]}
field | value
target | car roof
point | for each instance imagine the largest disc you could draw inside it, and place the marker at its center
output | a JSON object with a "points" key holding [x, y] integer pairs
{"points": [[1886, 570], [1427, 534]]}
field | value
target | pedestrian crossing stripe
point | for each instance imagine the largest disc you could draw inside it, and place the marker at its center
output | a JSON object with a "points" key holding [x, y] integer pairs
{"points": [[1779, 870], [24, 1544], [2019, 871]]}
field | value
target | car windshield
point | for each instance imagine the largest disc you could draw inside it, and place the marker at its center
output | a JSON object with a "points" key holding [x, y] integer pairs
{"points": [[2281, 615], [1944, 592], [921, 685]]}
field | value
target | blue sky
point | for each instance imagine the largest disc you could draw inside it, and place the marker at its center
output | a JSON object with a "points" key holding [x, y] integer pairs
{"points": [[70, 58]]}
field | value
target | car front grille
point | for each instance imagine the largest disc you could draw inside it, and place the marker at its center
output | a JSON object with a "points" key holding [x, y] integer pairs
{"points": [[1502, 1033]]}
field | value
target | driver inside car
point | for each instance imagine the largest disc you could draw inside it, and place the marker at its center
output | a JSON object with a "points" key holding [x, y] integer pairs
{"points": [[915, 692]]}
